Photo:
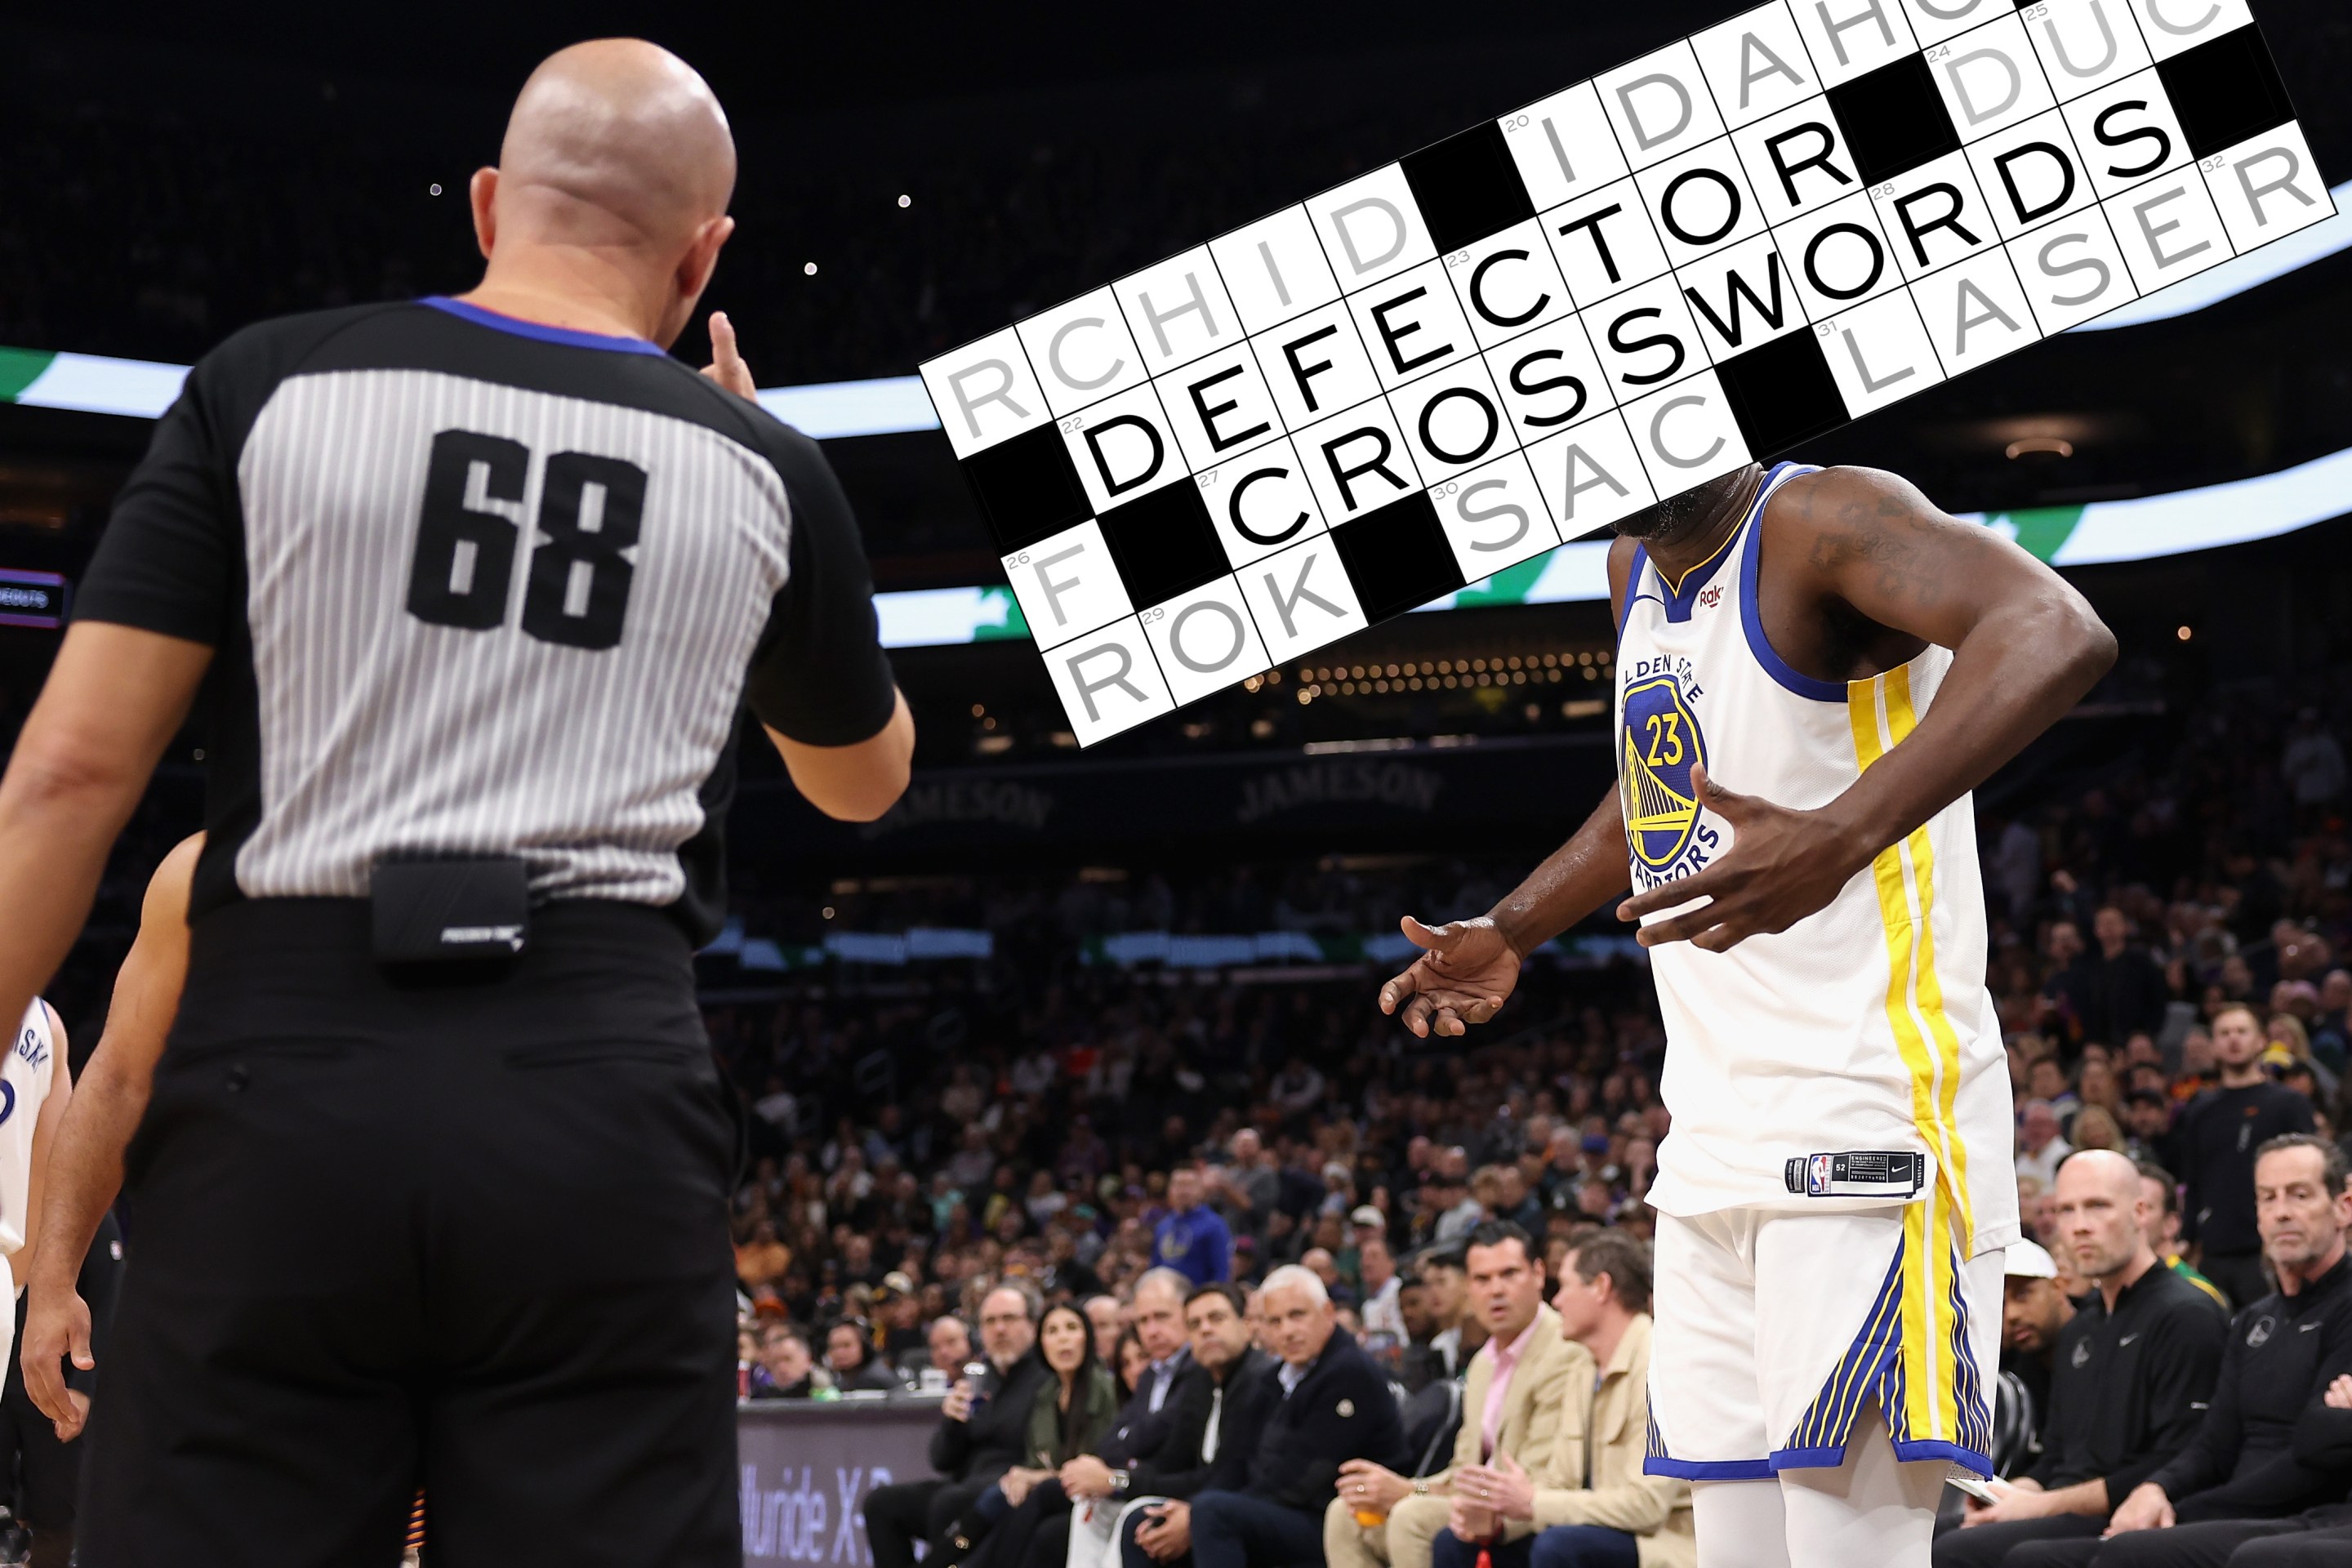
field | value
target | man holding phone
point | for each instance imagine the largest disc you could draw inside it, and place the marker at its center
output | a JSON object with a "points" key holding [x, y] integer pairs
{"points": [[983, 1432]]}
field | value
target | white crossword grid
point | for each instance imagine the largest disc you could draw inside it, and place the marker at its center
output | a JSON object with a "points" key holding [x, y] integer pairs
{"points": [[1516, 336]]}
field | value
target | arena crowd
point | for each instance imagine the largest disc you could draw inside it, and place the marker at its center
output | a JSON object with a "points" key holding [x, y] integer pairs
{"points": [[2167, 965]]}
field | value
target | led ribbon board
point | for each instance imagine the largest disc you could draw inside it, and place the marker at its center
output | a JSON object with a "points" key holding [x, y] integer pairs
{"points": [[1510, 338]]}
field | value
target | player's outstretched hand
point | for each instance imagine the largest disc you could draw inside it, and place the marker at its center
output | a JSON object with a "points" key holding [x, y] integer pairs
{"points": [[56, 1324], [1783, 866], [726, 367], [1463, 978]]}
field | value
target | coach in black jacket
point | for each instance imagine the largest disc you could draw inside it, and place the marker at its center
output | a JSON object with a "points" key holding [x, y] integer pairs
{"points": [[2260, 1469], [1335, 1406], [983, 1433]]}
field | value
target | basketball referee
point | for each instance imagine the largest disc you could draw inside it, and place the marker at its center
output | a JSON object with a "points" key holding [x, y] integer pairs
{"points": [[432, 1188]]}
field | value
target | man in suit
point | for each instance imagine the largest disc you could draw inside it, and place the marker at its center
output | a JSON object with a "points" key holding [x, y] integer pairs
{"points": [[983, 1431], [1145, 1517], [1518, 1386], [1335, 1406], [1591, 1507], [1145, 1423]]}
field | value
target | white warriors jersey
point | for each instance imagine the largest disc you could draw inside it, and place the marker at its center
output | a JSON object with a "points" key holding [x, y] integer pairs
{"points": [[24, 1075], [1863, 1029]]}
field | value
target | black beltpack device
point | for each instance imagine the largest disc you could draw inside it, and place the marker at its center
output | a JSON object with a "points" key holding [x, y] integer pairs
{"points": [[450, 911]]}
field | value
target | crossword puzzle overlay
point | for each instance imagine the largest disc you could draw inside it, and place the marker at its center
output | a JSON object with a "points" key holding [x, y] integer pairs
{"points": [[1516, 336]]}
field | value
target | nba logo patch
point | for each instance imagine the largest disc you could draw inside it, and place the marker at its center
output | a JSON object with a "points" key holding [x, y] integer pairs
{"points": [[1817, 1175]]}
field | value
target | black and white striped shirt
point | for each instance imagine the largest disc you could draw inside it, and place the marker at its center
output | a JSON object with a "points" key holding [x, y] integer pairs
{"points": [[479, 586]]}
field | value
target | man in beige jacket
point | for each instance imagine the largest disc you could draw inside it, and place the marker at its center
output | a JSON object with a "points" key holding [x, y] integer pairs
{"points": [[1591, 1507], [1521, 1383]]}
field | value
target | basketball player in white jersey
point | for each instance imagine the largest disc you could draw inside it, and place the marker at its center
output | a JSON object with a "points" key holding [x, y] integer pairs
{"points": [[1814, 669], [85, 1167], [35, 1085]]}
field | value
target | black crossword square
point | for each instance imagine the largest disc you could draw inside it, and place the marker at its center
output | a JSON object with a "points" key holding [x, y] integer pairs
{"points": [[1894, 118], [2224, 91], [1397, 557], [1028, 487], [1163, 543], [1467, 187], [1781, 393]]}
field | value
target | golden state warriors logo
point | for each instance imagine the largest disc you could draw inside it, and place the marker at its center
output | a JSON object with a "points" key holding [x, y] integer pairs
{"points": [[1662, 741]]}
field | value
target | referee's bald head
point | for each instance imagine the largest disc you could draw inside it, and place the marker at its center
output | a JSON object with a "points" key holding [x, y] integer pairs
{"points": [[616, 146]]}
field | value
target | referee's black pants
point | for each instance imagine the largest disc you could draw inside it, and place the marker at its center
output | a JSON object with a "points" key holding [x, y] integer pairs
{"points": [[466, 1236]]}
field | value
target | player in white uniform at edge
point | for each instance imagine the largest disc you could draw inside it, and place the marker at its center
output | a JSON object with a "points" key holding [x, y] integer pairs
{"points": [[35, 1085], [1815, 666]]}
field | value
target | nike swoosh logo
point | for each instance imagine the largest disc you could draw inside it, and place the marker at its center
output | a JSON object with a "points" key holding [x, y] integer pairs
{"points": [[2124, 1341], [2308, 1327]]}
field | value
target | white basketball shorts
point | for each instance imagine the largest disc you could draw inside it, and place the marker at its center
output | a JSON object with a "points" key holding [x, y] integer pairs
{"points": [[1777, 1332]]}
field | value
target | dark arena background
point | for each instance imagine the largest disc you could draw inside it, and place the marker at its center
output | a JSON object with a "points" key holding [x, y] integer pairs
{"points": [[975, 1040]]}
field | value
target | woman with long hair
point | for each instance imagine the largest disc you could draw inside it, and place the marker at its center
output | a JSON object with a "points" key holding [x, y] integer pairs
{"points": [[1072, 1415]]}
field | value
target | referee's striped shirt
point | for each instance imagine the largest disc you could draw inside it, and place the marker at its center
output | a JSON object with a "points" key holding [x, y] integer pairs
{"points": [[479, 586]]}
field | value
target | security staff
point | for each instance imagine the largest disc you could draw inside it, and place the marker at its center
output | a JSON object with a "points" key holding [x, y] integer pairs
{"points": [[2242, 1478], [433, 1183], [2135, 1368]]}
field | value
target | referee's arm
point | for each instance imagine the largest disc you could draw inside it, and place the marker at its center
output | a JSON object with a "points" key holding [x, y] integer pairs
{"points": [[858, 782], [861, 780], [819, 682]]}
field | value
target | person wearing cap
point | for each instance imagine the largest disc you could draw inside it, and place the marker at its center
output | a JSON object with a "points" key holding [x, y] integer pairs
{"points": [[2033, 1308]]}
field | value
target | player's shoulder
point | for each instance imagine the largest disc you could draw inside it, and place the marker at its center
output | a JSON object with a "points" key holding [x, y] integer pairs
{"points": [[272, 349], [1845, 494]]}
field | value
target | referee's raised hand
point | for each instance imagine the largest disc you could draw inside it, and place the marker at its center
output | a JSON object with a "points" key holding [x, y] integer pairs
{"points": [[726, 367]]}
